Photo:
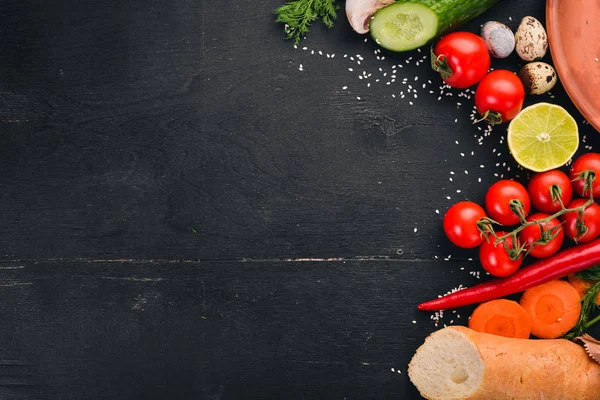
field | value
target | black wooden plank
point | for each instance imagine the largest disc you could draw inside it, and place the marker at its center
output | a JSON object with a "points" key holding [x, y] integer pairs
{"points": [[185, 130], [153, 330], [132, 329]]}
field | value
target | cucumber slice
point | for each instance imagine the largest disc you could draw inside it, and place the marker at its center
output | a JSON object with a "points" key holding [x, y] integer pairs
{"points": [[408, 24], [403, 26]]}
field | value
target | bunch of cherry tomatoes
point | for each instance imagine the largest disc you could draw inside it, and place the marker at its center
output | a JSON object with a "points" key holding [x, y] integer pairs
{"points": [[463, 60], [563, 205]]}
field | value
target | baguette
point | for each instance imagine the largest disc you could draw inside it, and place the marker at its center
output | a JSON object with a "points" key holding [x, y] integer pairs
{"points": [[459, 363]]}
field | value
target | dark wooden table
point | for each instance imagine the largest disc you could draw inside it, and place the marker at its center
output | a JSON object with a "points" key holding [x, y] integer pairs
{"points": [[193, 209]]}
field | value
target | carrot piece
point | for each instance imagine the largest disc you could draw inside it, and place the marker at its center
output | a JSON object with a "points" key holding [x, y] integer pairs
{"points": [[501, 317], [582, 286], [553, 308]]}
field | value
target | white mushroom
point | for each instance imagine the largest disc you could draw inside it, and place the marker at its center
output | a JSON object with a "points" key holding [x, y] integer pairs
{"points": [[359, 12]]}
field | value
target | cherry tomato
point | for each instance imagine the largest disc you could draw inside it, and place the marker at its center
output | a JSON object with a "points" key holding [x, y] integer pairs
{"points": [[464, 56], [494, 258], [539, 190], [589, 161], [499, 96], [591, 219], [533, 233], [497, 201], [460, 224]]}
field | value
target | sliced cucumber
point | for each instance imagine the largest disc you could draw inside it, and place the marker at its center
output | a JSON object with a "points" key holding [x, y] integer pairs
{"points": [[408, 24], [403, 26]]}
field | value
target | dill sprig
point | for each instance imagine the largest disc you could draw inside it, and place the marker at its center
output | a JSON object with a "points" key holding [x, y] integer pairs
{"points": [[588, 306], [297, 16], [590, 274]]}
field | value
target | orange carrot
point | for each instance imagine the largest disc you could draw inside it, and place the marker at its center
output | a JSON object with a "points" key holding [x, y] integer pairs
{"points": [[581, 286], [553, 308], [501, 317]]}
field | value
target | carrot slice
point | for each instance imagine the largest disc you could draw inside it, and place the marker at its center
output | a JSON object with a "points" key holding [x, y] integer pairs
{"points": [[581, 286], [553, 308], [501, 317]]}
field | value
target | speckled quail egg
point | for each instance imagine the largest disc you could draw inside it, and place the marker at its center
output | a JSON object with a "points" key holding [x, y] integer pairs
{"points": [[499, 39], [531, 40], [538, 77]]}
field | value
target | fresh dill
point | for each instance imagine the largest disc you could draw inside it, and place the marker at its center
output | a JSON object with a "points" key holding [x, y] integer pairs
{"points": [[590, 274], [588, 307], [297, 15]]}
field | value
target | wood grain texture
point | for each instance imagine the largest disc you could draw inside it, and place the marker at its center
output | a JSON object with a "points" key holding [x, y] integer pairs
{"points": [[186, 214]]}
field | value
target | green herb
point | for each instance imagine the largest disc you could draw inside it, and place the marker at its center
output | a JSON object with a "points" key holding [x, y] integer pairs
{"points": [[588, 306], [590, 274], [297, 16]]}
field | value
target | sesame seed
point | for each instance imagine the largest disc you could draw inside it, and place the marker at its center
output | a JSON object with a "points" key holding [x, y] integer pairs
{"points": [[437, 211], [357, 98]]}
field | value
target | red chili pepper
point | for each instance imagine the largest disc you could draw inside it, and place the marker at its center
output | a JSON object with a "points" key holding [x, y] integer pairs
{"points": [[561, 264]]}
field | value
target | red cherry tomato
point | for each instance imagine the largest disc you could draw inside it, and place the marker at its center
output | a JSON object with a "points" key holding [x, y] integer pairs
{"points": [[533, 233], [499, 96], [589, 161], [494, 258], [463, 55], [497, 201], [460, 224], [591, 219], [540, 187]]}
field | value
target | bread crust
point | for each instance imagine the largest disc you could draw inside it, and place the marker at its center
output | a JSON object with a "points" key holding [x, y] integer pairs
{"points": [[524, 369]]}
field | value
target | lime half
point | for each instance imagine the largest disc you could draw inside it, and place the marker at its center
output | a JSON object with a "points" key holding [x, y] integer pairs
{"points": [[543, 137]]}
